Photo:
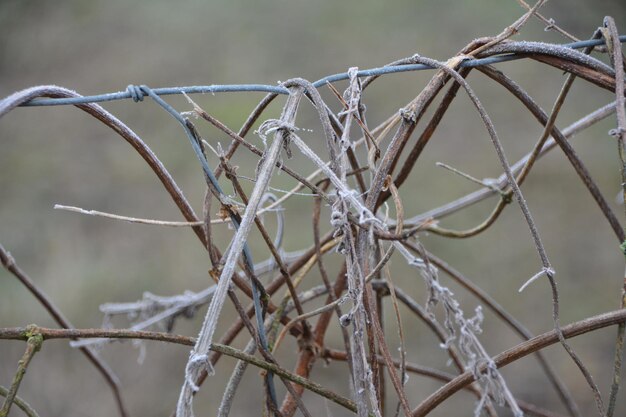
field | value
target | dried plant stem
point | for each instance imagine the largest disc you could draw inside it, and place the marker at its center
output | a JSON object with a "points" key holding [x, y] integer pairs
{"points": [[356, 183], [547, 268], [21, 333], [268, 241], [308, 384], [33, 344], [131, 219], [478, 196], [9, 263], [408, 118], [233, 135], [237, 374], [448, 68], [124, 131], [500, 152], [262, 345], [549, 22], [566, 59], [531, 409], [506, 197], [208, 328], [434, 326], [392, 291], [612, 37], [511, 29], [514, 324], [519, 351], [397, 384], [20, 403], [233, 382], [565, 146], [271, 288], [252, 118], [280, 312], [309, 352], [425, 136], [306, 316]]}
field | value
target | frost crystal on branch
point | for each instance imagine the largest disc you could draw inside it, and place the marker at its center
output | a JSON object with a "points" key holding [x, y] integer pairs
{"points": [[464, 332]]}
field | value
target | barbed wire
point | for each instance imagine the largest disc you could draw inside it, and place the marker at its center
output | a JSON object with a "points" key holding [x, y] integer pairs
{"points": [[137, 95]]}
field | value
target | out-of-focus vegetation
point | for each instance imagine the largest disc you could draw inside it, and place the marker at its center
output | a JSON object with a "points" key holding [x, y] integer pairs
{"points": [[57, 155]]}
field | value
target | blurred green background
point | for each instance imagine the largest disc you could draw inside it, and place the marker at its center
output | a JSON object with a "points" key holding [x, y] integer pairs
{"points": [[59, 155]]}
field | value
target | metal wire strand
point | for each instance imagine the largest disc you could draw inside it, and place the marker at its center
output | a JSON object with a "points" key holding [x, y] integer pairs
{"points": [[136, 94]]}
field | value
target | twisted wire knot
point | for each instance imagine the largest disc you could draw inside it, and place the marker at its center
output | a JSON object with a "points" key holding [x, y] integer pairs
{"points": [[137, 92]]}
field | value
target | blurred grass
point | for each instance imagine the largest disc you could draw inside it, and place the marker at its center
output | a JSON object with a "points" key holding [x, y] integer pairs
{"points": [[58, 155]]}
